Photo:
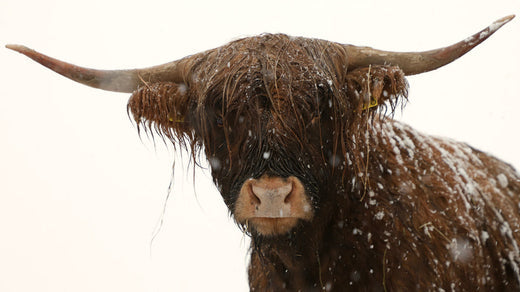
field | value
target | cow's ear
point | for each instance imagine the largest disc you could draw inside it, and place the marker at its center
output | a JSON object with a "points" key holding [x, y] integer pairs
{"points": [[370, 87], [161, 108]]}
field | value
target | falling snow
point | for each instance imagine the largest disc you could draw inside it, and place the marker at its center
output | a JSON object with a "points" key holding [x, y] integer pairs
{"points": [[502, 180]]}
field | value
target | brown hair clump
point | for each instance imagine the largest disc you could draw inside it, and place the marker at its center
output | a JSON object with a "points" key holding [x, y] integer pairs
{"points": [[298, 79]]}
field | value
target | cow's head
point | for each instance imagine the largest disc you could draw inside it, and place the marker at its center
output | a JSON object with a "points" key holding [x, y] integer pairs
{"points": [[277, 117]]}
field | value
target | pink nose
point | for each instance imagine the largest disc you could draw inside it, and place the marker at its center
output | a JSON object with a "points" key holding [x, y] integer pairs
{"points": [[272, 205], [272, 197]]}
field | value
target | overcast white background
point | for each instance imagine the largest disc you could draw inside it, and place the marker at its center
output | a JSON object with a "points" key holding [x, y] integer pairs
{"points": [[81, 194]]}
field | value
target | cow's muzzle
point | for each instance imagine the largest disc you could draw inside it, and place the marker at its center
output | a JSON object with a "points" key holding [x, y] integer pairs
{"points": [[272, 205]]}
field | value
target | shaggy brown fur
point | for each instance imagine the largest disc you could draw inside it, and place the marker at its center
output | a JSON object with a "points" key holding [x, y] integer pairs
{"points": [[296, 77], [394, 209]]}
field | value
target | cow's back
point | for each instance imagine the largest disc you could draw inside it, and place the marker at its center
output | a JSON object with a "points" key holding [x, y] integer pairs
{"points": [[452, 211]]}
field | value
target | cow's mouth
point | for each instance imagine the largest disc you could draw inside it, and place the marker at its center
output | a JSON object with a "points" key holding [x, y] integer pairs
{"points": [[271, 226], [272, 205]]}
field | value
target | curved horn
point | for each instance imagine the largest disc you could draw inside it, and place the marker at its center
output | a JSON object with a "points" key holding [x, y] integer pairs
{"points": [[112, 80], [419, 62]]}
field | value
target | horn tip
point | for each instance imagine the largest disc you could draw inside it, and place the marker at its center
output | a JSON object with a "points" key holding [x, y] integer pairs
{"points": [[18, 48], [500, 22], [479, 37]]}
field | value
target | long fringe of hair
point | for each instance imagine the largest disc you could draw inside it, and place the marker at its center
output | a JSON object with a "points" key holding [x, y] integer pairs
{"points": [[296, 77]]}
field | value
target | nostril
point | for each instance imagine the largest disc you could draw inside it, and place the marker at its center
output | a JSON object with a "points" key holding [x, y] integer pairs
{"points": [[289, 195], [288, 198], [254, 198]]}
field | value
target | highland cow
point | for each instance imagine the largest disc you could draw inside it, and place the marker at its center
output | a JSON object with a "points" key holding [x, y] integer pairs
{"points": [[335, 194]]}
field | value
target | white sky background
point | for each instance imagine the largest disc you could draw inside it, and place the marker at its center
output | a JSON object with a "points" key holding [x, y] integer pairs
{"points": [[80, 193]]}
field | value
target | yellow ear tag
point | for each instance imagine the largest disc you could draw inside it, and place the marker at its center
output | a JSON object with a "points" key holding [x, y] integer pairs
{"points": [[373, 103], [179, 120]]}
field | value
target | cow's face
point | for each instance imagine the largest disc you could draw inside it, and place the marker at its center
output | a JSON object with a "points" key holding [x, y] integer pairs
{"points": [[274, 123], [264, 133], [278, 124]]}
